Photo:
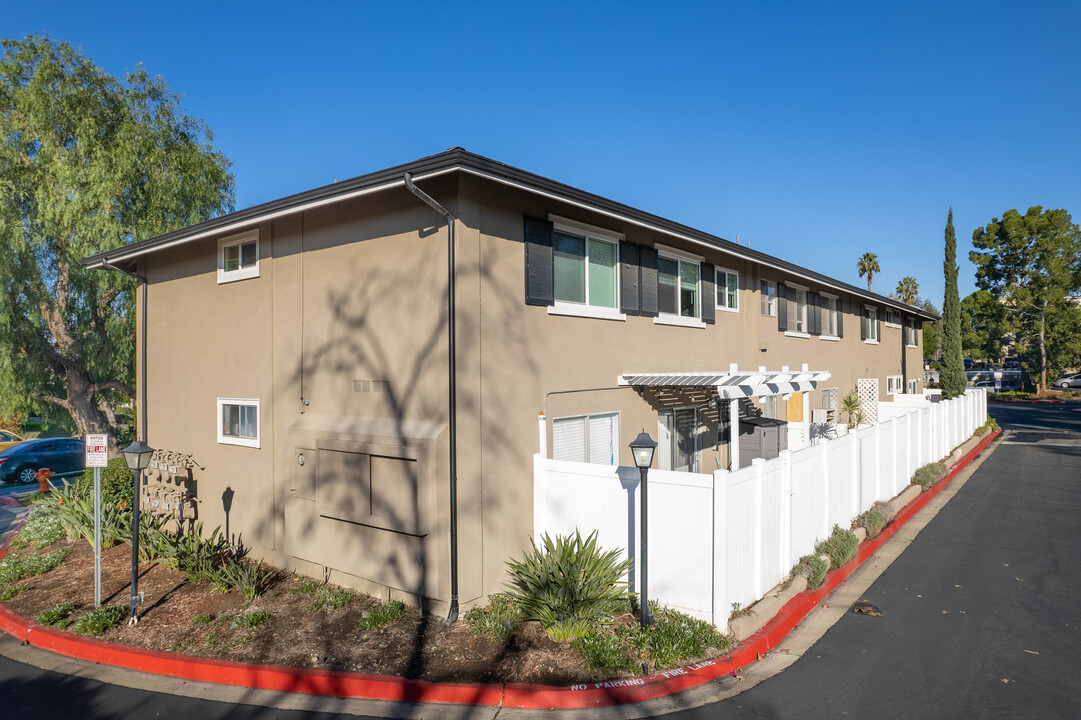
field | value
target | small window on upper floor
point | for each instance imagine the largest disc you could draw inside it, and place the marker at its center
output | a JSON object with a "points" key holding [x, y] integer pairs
{"points": [[585, 268], [768, 290], [678, 285], [238, 257], [727, 290]]}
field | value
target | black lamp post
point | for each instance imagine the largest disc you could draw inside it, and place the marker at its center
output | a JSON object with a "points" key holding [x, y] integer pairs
{"points": [[137, 456], [642, 448]]}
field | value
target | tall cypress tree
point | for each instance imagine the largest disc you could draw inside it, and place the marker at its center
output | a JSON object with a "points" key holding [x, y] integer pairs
{"points": [[952, 377]]}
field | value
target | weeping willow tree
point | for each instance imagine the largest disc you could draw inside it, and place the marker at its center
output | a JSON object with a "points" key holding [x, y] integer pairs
{"points": [[88, 163]]}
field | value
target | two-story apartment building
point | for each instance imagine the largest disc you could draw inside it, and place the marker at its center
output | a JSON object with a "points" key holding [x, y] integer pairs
{"points": [[300, 352]]}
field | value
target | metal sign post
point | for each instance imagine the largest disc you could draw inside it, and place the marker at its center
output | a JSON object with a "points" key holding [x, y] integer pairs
{"points": [[97, 457]]}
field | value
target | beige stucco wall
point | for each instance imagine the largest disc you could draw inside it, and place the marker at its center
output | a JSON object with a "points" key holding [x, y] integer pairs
{"points": [[354, 293]]}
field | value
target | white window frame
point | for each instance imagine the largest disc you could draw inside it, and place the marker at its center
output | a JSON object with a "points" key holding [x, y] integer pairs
{"points": [[588, 232], [587, 417], [913, 386], [224, 439], [717, 274], [895, 385], [835, 311], [243, 273], [680, 256], [771, 300], [889, 320], [872, 326]]}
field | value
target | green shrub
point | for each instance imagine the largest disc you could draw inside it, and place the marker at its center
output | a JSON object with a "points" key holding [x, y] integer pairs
{"points": [[604, 652], [57, 615], [840, 547], [871, 521], [813, 568], [10, 591], [42, 529], [202, 619], [251, 619], [117, 484], [568, 584], [499, 620], [928, 475], [249, 578], [673, 638], [13, 569], [96, 622], [198, 558], [390, 611]]}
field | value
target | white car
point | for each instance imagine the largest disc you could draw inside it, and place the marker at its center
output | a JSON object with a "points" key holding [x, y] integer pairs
{"points": [[1069, 381]]}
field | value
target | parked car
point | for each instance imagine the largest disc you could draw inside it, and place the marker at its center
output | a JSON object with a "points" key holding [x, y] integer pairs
{"points": [[1069, 381], [20, 463], [8, 438], [968, 363]]}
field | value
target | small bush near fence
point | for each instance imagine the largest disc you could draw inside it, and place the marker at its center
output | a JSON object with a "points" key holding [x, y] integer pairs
{"points": [[812, 567], [840, 547], [870, 521], [568, 584], [499, 620], [928, 475]]}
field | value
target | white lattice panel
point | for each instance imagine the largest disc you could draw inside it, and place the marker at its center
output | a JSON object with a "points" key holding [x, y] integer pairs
{"points": [[867, 390]]}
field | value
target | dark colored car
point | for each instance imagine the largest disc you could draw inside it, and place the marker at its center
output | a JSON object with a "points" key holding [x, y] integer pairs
{"points": [[64, 456]]}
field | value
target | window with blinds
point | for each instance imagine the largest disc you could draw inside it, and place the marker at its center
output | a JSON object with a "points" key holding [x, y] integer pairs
{"points": [[584, 270], [587, 438]]}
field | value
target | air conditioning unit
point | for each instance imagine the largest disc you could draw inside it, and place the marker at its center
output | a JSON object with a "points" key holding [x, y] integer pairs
{"points": [[820, 416]]}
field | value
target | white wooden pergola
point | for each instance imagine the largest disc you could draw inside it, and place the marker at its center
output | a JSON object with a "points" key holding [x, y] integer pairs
{"points": [[733, 385]]}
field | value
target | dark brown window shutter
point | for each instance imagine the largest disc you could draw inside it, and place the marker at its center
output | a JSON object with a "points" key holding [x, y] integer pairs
{"points": [[840, 318], [782, 307], [628, 278], [709, 293], [814, 314], [647, 282], [538, 262]]}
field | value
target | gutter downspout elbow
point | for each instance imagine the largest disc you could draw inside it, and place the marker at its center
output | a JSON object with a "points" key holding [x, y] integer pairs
{"points": [[452, 612]]}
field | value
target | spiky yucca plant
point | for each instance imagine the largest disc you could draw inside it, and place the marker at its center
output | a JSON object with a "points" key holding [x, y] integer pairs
{"points": [[568, 584]]}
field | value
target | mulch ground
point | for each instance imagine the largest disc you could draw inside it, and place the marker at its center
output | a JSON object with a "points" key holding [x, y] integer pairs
{"points": [[417, 646]]}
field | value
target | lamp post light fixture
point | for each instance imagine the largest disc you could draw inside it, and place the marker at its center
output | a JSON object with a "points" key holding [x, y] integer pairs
{"points": [[137, 455], [643, 447]]}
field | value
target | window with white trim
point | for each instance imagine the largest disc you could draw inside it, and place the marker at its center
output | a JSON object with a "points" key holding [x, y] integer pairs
{"points": [[587, 438], [768, 290], [913, 387], [831, 305], [238, 257], [678, 286], [894, 384], [893, 318], [727, 290], [238, 422], [585, 268]]}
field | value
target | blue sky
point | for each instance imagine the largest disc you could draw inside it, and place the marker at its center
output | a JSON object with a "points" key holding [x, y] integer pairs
{"points": [[817, 131]]}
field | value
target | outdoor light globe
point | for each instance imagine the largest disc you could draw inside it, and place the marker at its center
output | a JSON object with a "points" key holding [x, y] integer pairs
{"points": [[137, 455], [642, 448]]}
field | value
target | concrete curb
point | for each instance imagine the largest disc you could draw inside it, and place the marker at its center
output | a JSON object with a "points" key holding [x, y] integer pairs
{"points": [[509, 695]]}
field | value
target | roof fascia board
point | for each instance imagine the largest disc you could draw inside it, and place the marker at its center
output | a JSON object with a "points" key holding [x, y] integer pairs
{"points": [[99, 261], [759, 258]]}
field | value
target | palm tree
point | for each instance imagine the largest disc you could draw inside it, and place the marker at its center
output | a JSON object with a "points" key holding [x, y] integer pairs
{"points": [[868, 265], [907, 290]]}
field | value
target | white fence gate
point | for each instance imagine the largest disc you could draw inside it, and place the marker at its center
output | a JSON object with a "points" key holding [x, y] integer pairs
{"points": [[729, 537]]}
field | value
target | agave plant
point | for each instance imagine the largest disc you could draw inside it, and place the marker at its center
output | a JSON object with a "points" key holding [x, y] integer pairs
{"points": [[568, 584]]}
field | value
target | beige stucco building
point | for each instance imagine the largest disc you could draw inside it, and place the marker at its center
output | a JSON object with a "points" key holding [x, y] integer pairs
{"points": [[298, 351]]}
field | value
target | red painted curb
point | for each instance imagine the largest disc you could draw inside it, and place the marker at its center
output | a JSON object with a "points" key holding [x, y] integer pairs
{"points": [[1027, 402], [387, 687]]}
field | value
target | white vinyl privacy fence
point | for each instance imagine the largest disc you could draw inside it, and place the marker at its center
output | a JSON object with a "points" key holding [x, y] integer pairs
{"points": [[729, 537]]}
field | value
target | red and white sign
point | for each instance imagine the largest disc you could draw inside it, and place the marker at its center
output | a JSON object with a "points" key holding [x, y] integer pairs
{"points": [[97, 450]]}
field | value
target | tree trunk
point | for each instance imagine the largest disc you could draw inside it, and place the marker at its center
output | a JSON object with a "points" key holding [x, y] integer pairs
{"points": [[84, 410], [1043, 348]]}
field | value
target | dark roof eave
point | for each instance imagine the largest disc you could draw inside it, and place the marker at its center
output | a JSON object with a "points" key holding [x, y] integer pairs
{"points": [[460, 159]]}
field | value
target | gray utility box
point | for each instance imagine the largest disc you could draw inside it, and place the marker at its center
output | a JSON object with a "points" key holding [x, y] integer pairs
{"points": [[761, 438]]}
